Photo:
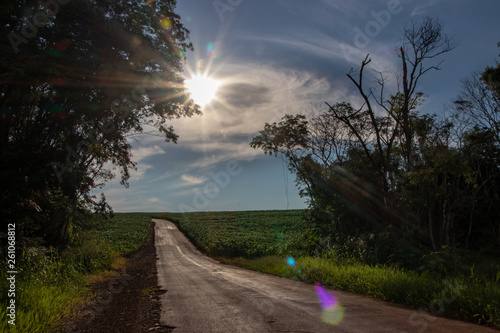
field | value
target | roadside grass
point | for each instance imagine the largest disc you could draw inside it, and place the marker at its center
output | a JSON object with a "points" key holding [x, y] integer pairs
{"points": [[459, 285], [49, 285]]}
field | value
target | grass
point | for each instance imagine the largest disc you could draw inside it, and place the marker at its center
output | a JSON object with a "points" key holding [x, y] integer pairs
{"points": [[262, 240], [49, 285]]}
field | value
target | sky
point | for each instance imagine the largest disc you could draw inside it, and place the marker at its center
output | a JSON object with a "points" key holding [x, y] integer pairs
{"points": [[277, 57]]}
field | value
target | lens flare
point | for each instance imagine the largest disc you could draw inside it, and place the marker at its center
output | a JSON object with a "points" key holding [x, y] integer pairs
{"points": [[201, 64], [290, 261], [210, 48], [332, 312], [165, 23]]}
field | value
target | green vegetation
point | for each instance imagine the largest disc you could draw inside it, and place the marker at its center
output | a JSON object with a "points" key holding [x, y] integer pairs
{"points": [[246, 234], [50, 283], [458, 284], [125, 232]]}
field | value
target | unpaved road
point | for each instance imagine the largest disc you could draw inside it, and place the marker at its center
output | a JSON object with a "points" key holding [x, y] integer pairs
{"points": [[203, 295]]}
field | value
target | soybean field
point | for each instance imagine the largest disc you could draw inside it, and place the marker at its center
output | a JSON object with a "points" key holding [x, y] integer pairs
{"points": [[248, 234]]}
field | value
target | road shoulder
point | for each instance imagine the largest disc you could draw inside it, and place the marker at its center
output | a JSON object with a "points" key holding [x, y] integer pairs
{"points": [[126, 302]]}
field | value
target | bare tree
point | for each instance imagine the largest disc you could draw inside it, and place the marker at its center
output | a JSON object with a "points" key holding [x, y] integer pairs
{"points": [[422, 41], [479, 104]]}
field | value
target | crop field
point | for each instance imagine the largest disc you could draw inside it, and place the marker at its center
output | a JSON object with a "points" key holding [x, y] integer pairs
{"points": [[248, 234], [126, 232]]}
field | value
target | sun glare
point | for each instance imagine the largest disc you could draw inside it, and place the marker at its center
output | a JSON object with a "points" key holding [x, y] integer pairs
{"points": [[202, 89]]}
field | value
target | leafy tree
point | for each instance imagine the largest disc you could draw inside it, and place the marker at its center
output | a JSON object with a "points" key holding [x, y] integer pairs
{"points": [[480, 223], [477, 109], [80, 79]]}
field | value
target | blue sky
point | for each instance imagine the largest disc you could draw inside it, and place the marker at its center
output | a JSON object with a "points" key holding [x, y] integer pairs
{"points": [[277, 57]]}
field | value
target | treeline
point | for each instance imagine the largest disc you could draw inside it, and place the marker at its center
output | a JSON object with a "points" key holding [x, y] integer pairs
{"points": [[384, 165]]}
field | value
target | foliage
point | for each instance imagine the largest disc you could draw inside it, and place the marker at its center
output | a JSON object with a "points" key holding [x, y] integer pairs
{"points": [[50, 284], [75, 89]]}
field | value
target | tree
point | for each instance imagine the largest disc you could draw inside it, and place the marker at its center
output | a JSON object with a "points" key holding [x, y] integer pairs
{"points": [[422, 42], [354, 160], [479, 100], [477, 108], [81, 79]]}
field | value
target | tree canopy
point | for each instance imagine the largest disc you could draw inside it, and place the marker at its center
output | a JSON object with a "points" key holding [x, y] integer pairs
{"points": [[79, 79]]}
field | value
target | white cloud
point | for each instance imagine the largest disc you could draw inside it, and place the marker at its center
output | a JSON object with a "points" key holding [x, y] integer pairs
{"points": [[192, 180], [141, 152]]}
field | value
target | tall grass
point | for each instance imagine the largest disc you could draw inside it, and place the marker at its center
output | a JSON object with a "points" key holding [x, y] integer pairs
{"points": [[49, 284]]}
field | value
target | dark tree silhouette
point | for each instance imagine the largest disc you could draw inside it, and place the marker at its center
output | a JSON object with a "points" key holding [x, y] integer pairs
{"points": [[79, 78]]}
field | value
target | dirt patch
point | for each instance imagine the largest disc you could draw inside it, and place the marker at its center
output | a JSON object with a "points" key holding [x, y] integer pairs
{"points": [[126, 302]]}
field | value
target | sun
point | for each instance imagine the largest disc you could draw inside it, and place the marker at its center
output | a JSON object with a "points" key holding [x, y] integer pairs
{"points": [[202, 88]]}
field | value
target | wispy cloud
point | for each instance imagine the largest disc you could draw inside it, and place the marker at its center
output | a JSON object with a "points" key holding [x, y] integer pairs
{"points": [[192, 180], [310, 42], [422, 7], [143, 151]]}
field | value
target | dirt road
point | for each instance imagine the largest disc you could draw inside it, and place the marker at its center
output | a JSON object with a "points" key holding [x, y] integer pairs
{"points": [[203, 295]]}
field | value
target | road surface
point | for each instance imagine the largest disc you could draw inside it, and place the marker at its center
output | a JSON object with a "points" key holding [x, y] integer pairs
{"points": [[202, 295]]}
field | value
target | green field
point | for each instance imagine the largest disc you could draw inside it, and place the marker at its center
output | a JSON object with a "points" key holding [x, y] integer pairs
{"points": [[243, 234], [50, 284]]}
